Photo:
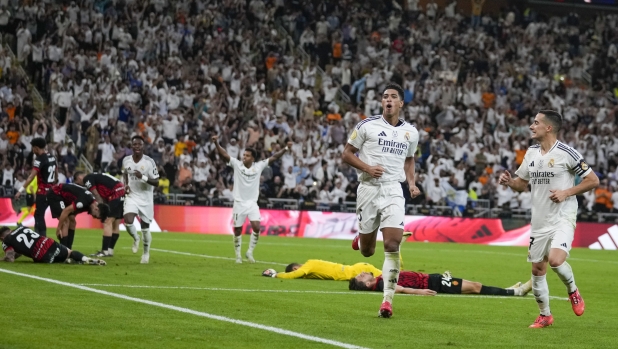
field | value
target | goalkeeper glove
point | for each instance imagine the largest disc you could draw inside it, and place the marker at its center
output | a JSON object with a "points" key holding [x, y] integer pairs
{"points": [[269, 272]]}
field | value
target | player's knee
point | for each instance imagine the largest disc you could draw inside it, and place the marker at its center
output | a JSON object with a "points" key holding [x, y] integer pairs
{"points": [[538, 270], [238, 231], [368, 251], [391, 246], [556, 262]]}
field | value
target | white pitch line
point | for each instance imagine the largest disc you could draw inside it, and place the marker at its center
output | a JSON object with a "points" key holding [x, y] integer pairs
{"points": [[306, 291], [193, 312], [207, 256]]}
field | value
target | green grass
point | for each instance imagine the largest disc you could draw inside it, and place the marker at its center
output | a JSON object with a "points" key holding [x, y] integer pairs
{"points": [[39, 314]]}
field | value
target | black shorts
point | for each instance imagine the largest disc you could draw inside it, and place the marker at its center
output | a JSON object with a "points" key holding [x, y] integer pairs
{"points": [[29, 200], [444, 283], [116, 208], [56, 204], [56, 254]]}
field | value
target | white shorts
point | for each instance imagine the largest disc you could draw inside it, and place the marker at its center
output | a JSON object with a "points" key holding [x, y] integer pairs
{"points": [[380, 206], [145, 211], [540, 244], [242, 210]]}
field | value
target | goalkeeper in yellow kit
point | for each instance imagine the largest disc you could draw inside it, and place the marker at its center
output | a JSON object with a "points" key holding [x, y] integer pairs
{"points": [[30, 201], [323, 270]]}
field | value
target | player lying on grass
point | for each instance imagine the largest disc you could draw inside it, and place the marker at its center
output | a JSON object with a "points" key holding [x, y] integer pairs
{"points": [[411, 282], [25, 241], [323, 270]]}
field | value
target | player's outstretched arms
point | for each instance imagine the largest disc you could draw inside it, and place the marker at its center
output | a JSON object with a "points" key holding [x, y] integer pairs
{"points": [[351, 159], [516, 184], [224, 155], [420, 292], [276, 156]]}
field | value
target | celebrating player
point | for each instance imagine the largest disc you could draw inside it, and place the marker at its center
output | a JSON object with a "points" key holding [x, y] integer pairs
{"points": [[246, 192], [323, 270], [26, 242], [45, 169], [411, 282], [140, 177], [106, 190], [385, 145], [550, 168], [68, 200]]}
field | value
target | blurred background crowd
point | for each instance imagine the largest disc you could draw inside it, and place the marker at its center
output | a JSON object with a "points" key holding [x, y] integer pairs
{"points": [[88, 75]]}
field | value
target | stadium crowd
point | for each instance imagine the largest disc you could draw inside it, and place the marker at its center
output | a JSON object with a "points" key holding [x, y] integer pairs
{"points": [[178, 72]]}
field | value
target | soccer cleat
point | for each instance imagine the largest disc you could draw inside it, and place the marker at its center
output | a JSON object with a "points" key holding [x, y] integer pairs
{"points": [[93, 261], [145, 258], [110, 252], [355, 245], [524, 289], [514, 286], [542, 321], [100, 254], [406, 235], [386, 310], [249, 256], [577, 303], [135, 246]]}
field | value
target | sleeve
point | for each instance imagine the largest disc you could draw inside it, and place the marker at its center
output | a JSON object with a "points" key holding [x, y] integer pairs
{"points": [[124, 166], [233, 163], [296, 274], [6, 247], [262, 165], [522, 172], [36, 165], [413, 144], [358, 136], [575, 162], [89, 181], [154, 173]]}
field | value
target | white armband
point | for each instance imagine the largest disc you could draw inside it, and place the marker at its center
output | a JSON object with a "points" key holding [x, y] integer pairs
{"points": [[22, 189], [144, 178]]}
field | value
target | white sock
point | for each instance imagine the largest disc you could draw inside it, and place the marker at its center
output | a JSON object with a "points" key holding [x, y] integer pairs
{"points": [[565, 273], [255, 236], [132, 231], [237, 244], [85, 259], [390, 274], [110, 250], [541, 293], [147, 239]]}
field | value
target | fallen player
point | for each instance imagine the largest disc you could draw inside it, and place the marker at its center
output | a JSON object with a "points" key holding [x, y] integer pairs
{"points": [[323, 270]]}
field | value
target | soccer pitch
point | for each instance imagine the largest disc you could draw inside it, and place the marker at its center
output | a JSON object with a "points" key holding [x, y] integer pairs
{"points": [[193, 295]]}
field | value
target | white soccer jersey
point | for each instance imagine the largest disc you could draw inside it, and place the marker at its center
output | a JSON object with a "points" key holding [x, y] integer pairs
{"points": [[140, 191], [247, 180], [380, 143], [554, 170]]}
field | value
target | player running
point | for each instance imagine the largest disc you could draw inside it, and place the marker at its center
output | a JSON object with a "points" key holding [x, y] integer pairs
{"points": [[45, 169], [68, 200], [246, 192], [30, 201], [140, 176], [385, 145], [550, 168], [26, 242], [411, 282], [323, 270], [106, 190]]}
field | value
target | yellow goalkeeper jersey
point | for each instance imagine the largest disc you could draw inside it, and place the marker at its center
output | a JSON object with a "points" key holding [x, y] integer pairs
{"points": [[319, 269], [32, 187]]}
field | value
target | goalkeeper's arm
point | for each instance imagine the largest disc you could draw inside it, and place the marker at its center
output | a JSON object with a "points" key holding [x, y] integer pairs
{"points": [[296, 274]]}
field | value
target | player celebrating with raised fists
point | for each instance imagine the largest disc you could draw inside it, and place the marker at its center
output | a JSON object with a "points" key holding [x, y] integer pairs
{"points": [[385, 145], [550, 168], [140, 177]]}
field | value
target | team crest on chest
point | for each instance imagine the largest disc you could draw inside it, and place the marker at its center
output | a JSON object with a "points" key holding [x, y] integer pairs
{"points": [[540, 164], [394, 134], [551, 163], [407, 136]]}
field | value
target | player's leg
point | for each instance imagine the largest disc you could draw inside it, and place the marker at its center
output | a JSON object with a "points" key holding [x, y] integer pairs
{"points": [[537, 255], [239, 215], [39, 215], [115, 236], [146, 215], [368, 219], [71, 231], [66, 255], [130, 211], [560, 247], [255, 236], [108, 227]]}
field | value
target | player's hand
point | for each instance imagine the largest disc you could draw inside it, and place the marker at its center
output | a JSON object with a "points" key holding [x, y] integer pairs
{"points": [[127, 190], [558, 195], [426, 292], [215, 139], [414, 191], [505, 178], [376, 171], [17, 195], [138, 174], [269, 273]]}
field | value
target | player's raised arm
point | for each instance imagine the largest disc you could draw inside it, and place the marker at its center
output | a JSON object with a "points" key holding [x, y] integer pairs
{"points": [[276, 156], [517, 184], [220, 150], [350, 158]]}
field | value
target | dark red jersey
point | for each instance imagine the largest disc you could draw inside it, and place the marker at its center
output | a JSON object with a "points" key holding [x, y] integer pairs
{"points": [[409, 279], [110, 188], [73, 194], [28, 243], [45, 167]]}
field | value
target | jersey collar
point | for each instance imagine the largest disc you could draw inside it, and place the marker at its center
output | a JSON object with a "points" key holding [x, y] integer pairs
{"points": [[550, 149], [399, 123]]}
